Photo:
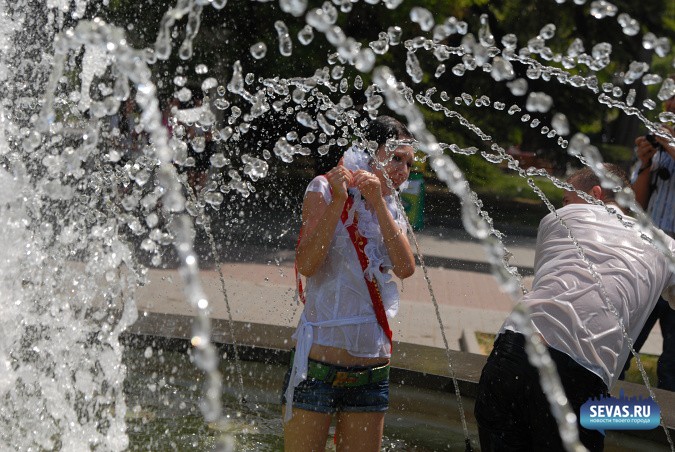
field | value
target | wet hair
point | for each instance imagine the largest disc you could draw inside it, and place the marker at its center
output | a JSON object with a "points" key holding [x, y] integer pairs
{"points": [[585, 179], [384, 128]]}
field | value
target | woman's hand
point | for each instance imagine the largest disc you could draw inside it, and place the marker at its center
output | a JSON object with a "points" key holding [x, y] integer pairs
{"points": [[369, 185], [340, 179]]}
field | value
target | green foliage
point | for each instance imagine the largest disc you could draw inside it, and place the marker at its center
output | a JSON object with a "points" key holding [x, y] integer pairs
{"points": [[621, 155], [225, 37], [488, 179]]}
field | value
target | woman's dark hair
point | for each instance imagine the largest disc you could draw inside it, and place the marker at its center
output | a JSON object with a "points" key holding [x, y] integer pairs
{"points": [[384, 128]]}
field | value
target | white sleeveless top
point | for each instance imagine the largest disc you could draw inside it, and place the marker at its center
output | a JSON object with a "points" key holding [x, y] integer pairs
{"points": [[338, 309]]}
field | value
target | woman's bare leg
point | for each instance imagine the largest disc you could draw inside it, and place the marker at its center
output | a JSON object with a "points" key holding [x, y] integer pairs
{"points": [[306, 431], [359, 431]]}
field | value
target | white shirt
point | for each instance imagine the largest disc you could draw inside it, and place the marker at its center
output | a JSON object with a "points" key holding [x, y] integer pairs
{"points": [[338, 309], [566, 304]]}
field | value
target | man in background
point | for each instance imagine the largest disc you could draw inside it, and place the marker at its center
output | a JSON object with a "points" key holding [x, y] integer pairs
{"points": [[654, 187]]}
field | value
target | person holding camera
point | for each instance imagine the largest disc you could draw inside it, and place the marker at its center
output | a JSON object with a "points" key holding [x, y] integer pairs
{"points": [[654, 187]]}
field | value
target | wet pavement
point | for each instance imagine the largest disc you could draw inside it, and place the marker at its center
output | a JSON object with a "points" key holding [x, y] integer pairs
{"points": [[259, 284]]}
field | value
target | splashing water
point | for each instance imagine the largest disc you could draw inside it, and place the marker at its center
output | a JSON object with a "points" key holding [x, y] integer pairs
{"points": [[78, 200]]}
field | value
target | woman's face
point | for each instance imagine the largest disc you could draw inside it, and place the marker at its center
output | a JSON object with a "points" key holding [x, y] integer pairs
{"points": [[397, 164]]}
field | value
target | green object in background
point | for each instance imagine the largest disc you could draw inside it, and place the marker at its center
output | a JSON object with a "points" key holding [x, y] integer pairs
{"points": [[413, 200]]}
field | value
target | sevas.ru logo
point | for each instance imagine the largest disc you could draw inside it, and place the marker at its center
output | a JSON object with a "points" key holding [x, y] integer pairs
{"points": [[609, 413]]}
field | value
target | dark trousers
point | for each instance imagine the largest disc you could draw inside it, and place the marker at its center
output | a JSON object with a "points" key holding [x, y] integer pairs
{"points": [[665, 368], [511, 408]]}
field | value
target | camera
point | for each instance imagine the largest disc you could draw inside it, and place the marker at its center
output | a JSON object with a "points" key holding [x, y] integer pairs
{"points": [[652, 140]]}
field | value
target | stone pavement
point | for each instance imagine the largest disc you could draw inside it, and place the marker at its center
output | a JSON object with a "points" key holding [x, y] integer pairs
{"points": [[260, 287]]}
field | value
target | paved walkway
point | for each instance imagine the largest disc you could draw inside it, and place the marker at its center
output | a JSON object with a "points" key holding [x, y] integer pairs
{"points": [[260, 289]]}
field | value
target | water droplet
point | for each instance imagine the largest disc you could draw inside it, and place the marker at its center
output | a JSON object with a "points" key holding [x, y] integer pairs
{"points": [[601, 9], [662, 47], [214, 198], [518, 87], [560, 124], [649, 104], [533, 73], [380, 47], [412, 66], [218, 160], [547, 31], [485, 36], [502, 69], [221, 104], [576, 48], [306, 35], [651, 79], [538, 102], [667, 117], [394, 34], [183, 95], [629, 26], [459, 69], [422, 17], [294, 7], [630, 97], [209, 83], [649, 40], [148, 245], [285, 43], [259, 50]]}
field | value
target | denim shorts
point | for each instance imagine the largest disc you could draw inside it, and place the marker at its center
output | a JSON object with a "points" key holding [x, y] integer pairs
{"points": [[319, 396]]}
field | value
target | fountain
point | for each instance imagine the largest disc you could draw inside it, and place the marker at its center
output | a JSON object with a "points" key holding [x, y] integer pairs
{"points": [[136, 145]]}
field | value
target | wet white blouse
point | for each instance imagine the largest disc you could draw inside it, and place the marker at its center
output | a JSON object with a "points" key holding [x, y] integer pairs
{"points": [[338, 290], [566, 302], [338, 309]]}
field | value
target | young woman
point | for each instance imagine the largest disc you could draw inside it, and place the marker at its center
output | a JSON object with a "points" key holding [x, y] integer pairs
{"points": [[353, 234]]}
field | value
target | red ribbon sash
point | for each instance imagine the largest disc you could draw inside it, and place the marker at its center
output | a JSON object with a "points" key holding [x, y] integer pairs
{"points": [[359, 243]]}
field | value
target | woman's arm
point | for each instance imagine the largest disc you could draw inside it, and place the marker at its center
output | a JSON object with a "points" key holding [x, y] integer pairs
{"points": [[319, 220], [394, 239]]}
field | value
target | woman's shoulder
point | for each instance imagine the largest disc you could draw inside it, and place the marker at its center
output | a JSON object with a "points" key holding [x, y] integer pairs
{"points": [[319, 182], [320, 185]]}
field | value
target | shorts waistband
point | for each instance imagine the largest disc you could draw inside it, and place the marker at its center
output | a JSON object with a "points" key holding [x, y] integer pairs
{"points": [[345, 377]]}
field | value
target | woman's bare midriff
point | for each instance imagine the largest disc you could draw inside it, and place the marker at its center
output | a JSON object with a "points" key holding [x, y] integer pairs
{"points": [[341, 357]]}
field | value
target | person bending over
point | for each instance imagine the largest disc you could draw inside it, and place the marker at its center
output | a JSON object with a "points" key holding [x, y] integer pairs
{"points": [[569, 312]]}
